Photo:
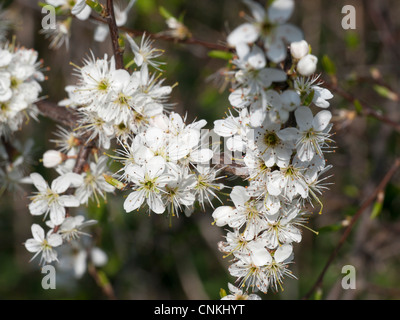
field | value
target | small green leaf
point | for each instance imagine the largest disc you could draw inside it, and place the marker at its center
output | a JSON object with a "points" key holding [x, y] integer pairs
{"points": [[318, 294], [218, 54], [165, 13], [358, 106], [222, 293], [376, 209], [331, 228], [386, 92], [378, 205], [114, 182], [328, 65], [307, 99], [95, 6], [103, 278], [352, 40]]}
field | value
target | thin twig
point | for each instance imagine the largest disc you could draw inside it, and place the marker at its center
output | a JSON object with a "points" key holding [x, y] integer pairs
{"points": [[367, 110], [165, 37], [349, 228], [112, 24], [59, 114], [105, 286]]}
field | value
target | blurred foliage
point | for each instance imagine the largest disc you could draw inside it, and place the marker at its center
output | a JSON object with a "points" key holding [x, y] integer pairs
{"points": [[151, 257]]}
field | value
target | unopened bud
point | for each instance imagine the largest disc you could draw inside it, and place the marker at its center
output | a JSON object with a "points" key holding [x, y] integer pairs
{"points": [[299, 49], [53, 158], [307, 65]]}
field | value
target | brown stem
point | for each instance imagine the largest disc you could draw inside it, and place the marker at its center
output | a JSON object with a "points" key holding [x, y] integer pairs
{"points": [[163, 36], [367, 110], [118, 52], [59, 114], [105, 287], [347, 232]]}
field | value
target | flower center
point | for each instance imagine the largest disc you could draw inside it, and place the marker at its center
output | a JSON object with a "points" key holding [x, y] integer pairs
{"points": [[271, 139]]}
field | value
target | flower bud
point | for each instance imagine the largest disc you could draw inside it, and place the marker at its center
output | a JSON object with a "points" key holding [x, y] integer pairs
{"points": [[52, 158], [299, 49], [307, 65]]}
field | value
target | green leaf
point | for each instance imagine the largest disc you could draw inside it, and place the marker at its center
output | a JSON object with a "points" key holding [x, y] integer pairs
{"points": [[331, 228], [378, 205], [95, 6], [386, 92], [328, 65], [103, 278], [219, 54], [358, 106], [222, 293], [376, 209], [352, 40], [318, 294], [307, 99], [165, 13]]}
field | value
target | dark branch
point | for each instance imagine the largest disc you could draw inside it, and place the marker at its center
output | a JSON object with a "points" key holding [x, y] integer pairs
{"points": [[118, 52], [349, 228], [367, 110]]}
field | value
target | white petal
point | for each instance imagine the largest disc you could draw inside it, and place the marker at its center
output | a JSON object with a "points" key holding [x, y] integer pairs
{"points": [[101, 33], [135, 173], [156, 204], [57, 214], [276, 49], [290, 100], [62, 183], [37, 232], [54, 240], [288, 134], [38, 207], [304, 118], [222, 215], [32, 245], [246, 33], [80, 263], [280, 10], [78, 7], [69, 201], [283, 252], [39, 182], [240, 98], [84, 14], [155, 167], [235, 143], [321, 120], [99, 257], [134, 200], [202, 155], [269, 75], [259, 254], [239, 196], [226, 127], [289, 32], [256, 58]]}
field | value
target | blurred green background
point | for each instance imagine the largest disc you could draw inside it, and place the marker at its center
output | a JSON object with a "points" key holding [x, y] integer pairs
{"points": [[148, 258]]}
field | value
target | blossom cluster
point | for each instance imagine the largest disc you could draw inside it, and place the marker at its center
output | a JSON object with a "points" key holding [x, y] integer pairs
{"points": [[20, 74], [163, 160], [282, 134], [279, 125]]}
